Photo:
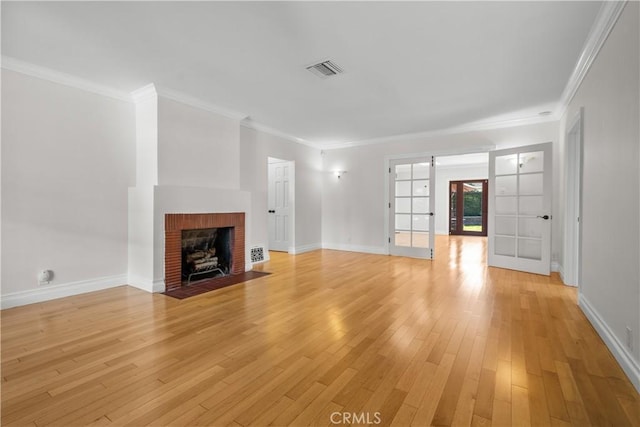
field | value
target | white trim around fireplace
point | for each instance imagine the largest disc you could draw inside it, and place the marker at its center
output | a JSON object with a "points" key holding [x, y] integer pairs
{"points": [[146, 285]]}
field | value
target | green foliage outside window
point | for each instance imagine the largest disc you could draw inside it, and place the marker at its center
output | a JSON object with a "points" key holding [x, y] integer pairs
{"points": [[473, 203]]}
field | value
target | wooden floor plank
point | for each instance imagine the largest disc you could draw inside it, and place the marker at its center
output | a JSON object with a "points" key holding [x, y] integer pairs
{"points": [[520, 410], [555, 399], [537, 401], [420, 342]]}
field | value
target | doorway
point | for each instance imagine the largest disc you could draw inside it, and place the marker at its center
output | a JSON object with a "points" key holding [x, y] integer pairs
{"points": [[468, 207], [573, 203], [280, 204], [411, 207]]}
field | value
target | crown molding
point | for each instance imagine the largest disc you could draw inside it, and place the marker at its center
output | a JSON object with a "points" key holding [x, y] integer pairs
{"points": [[44, 73], [470, 127], [183, 98], [605, 21], [145, 93], [151, 91], [250, 124], [139, 95]]}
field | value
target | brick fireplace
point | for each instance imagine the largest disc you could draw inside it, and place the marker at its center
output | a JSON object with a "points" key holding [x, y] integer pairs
{"points": [[175, 224]]}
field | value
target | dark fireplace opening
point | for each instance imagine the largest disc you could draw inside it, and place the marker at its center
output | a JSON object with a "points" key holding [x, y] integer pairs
{"points": [[206, 253]]}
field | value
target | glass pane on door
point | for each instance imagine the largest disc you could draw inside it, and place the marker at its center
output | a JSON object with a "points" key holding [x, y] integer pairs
{"points": [[420, 239], [472, 210], [453, 207], [468, 207], [410, 183]]}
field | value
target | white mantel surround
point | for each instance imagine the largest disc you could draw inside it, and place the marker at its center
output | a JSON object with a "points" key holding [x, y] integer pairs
{"points": [[187, 161]]}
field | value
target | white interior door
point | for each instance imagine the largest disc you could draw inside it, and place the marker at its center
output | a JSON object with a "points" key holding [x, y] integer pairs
{"points": [[520, 208], [412, 207], [573, 204], [279, 206]]}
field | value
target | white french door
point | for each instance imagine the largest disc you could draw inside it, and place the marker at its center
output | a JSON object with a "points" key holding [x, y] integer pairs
{"points": [[520, 208], [279, 206], [411, 207]]}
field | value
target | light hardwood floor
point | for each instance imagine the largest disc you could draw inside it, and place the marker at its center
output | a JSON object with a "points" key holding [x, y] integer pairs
{"points": [[403, 341]]}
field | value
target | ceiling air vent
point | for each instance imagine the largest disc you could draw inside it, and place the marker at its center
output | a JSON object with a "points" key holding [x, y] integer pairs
{"points": [[325, 69]]}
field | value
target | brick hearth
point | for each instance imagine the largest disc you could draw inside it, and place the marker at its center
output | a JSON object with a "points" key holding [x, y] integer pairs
{"points": [[175, 223]]}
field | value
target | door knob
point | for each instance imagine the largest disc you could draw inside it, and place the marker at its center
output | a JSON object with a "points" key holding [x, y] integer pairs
{"points": [[544, 216]]}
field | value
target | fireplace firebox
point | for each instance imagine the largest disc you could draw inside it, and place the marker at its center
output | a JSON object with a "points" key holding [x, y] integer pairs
{"points": [[203, 247], [206, 253]]}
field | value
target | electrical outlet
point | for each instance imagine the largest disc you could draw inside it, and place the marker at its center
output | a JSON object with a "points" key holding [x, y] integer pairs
{"points": [[629, 339], [45, 277]]}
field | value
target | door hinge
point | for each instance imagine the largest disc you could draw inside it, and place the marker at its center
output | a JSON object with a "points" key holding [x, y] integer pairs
{"points": [[433, 162], [389, 205], [389, 170], [389, 239], [431, 253]]}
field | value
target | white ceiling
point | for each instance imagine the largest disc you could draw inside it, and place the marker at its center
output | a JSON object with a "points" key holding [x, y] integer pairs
{"points": [[409, 66]]}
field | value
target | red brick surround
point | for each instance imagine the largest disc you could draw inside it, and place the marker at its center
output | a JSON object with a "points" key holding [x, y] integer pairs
{"points": [[175, 223]]}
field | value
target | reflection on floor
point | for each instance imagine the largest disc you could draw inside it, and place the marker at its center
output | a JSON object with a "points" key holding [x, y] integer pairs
{"points": [[411, 341]]}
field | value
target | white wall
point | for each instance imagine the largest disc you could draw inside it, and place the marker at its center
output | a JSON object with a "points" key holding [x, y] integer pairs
{"points": [[444, 174], [610, 288], [147, 142], [140, 217], [141, 224], [353, 207], [196, 147], [67, 161], [255, 149]]}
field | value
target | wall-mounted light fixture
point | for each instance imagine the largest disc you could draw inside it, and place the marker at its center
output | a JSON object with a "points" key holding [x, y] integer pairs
{"points": [[339, 173]]}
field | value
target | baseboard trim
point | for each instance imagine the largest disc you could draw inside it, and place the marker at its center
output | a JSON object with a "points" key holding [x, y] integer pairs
{"points": [[562, 276], [153, 286], [295, 250], [629, 365], [158, 286], [377, 250], [556, 267], [47, 293]]}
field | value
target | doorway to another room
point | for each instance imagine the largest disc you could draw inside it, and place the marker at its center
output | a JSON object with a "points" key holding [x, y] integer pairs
{"points": [[411, 206], [468, 207], [280, 204], [462, 194]]}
